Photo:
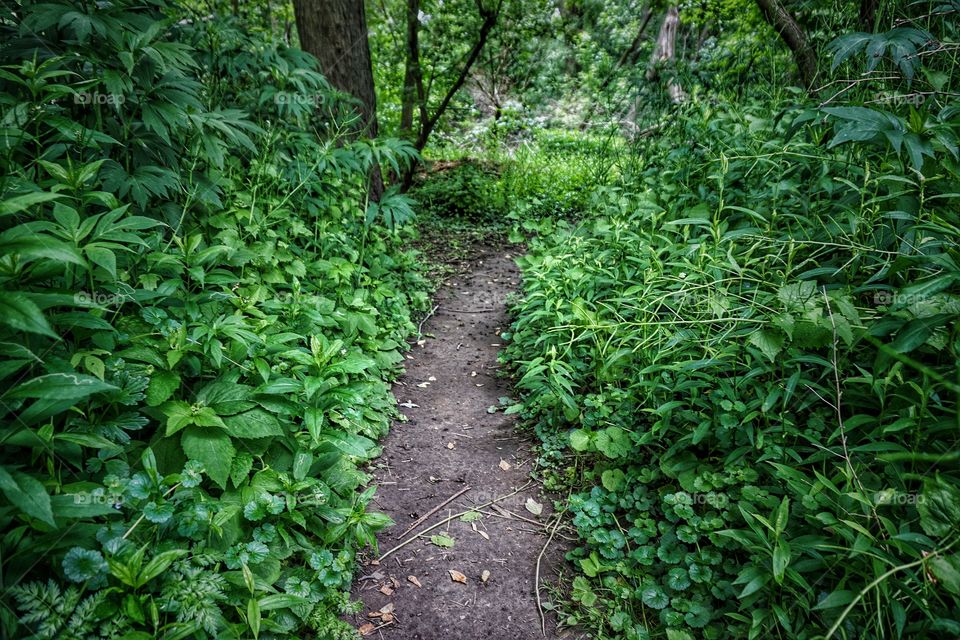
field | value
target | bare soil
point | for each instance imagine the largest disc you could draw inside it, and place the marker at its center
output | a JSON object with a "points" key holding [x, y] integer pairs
{"points": [[452, 440]]}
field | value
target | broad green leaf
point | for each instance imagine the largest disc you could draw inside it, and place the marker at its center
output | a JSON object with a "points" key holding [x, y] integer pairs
{"points": [[27, 494], [579, 440], [61, 386], [947, 570], [161, 387], [769, 341], [213, 448], [256, 423], [21, 314], [25, 201]]}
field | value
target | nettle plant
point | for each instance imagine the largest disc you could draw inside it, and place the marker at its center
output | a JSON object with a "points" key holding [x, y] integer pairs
{"points": [[200, 309], [747, 360]]}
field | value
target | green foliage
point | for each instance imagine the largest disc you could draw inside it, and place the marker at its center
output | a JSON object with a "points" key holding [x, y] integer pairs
{"points": [[462, 189], [200, 314], [742, 360]]}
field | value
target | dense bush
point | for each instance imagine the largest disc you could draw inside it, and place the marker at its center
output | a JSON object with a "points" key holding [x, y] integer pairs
{"points": [[744, 362], [464, 189], [198, 315]]}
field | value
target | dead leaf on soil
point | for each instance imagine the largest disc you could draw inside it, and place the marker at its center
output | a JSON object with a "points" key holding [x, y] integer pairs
{"points": [[533, 506], [506, 466], [413, 580], [387, 608], [456, 576], [367, 629], [484, 576], [486, 536], [423, 385], [386, 590], [387, 618]]}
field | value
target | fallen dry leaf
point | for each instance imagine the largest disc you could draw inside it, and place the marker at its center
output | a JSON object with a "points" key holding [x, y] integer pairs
{"points": [[423, 385], [506, 466], [484, 576], [367, 629], [485, 535], [533, 506], [413, 580], [456, 576], [387, 608], [386, 590], [387, 618]]}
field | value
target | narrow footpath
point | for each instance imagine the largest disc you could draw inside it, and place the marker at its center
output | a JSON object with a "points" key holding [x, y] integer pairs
{"points": [[466, 578]]}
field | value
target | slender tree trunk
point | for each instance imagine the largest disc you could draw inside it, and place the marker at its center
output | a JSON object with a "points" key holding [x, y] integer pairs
{"points": [[666, 51], [868, 15], [412, 80], [335, 33], [428, 121], [627, 58], [794, 37]]}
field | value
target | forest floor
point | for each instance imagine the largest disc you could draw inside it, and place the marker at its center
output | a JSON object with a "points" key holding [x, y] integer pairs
{"points": [[457, 443]]}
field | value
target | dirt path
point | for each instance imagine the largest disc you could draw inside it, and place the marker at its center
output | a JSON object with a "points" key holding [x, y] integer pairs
{"points": [[449, 442]]}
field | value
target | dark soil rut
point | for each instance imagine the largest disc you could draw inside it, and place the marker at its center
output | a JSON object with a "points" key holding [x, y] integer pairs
{"points": [[449, 442]]}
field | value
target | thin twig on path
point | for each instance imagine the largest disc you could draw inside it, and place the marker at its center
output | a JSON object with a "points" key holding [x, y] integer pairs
{"points": [[423, 518], [422, 322], [456, 515], [536, 575]]}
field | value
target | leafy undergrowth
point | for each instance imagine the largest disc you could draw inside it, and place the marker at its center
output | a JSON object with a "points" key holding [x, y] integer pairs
{"points": [[199, 316], [744, 360]]}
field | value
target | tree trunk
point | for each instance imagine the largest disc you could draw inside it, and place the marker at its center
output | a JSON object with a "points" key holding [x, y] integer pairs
{"points": [[868, 15], [335, 33], [666, 51], [627, 58], [794, 37], [427, 121], [412, 79]]}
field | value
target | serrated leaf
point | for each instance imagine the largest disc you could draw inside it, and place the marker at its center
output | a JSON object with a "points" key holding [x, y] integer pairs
{"points": [[256, 423], [211, 447], [442, 541], [161, 387]]}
